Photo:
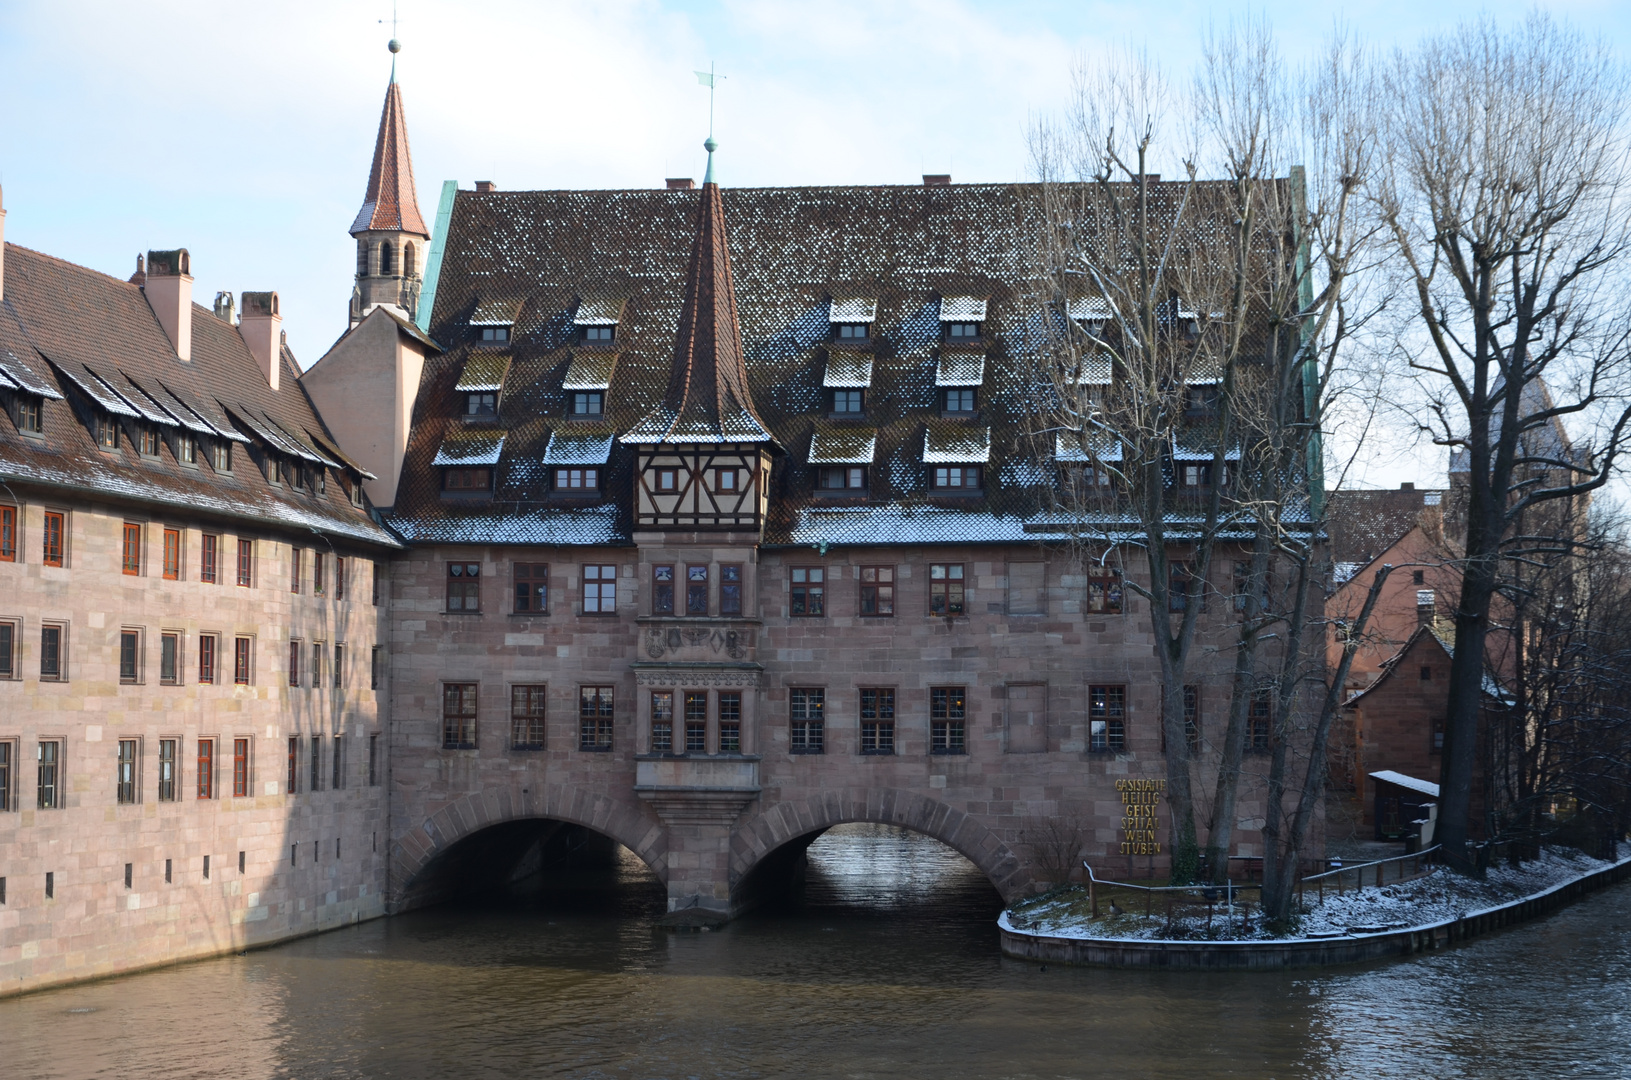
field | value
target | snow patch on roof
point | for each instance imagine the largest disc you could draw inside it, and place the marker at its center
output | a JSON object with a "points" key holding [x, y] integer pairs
{"points": [[843, 446], [953, 444], [853, 310], [484, 371], [960, 369], [1388, 776], [594, 525], [848, 370], [962, 309], [578, 449], [590, 370], [599, 311], [466, 447]]}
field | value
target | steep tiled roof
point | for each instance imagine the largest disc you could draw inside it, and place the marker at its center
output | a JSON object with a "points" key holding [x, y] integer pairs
{"points": [[88, 343], [908, 256], [390, 202], [1364, 523]]}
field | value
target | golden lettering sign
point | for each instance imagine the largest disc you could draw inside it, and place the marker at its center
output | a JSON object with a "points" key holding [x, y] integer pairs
{"points": [[1140, 799]]}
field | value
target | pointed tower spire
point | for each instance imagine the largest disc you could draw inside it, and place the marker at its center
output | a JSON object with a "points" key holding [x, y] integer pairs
{"points": [[707, 398], [391, 234]]}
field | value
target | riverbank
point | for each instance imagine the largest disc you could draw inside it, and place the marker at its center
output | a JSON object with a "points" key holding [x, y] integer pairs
{"points": [[1399, 919]]}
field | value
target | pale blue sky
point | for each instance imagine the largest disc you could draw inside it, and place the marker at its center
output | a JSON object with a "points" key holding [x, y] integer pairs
{"points": [[243, 132]]}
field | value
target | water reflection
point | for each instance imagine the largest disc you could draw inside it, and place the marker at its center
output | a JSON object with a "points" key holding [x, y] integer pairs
{"points": [[884, 963]]}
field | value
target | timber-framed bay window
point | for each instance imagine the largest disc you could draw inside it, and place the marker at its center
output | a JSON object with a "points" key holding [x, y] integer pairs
{"points": [[948, 720], [807, 717], [1106, 718]]}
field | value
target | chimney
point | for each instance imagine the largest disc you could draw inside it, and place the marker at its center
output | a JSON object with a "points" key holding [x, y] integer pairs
{"points": [[224, 307], [937, 179], [169, 291], [1407, 486], [680, 183], [485, 186], [139, 278], [261, 327], [2, 245]]}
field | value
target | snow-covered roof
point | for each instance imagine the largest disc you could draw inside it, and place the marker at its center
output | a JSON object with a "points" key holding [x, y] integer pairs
{"points": [[848, 370], [843, 446], [495, 313], [1095, 371], [484, 371], [960, 369], [1182, 452], [600, 311], [853, 310], [590, 370], [962, 309], [467, 447], [573, 448], [24, 377], [1388, 776], [954, 444], [1068, 448], [92, 388], [1090, 309]]}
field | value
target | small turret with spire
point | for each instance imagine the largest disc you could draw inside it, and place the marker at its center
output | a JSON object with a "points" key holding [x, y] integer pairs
{"points": [[390, 232]]}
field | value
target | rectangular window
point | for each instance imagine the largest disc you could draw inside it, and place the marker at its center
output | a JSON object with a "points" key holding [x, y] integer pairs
{"points": [[317, 567], [339, 577], [52, 653], [959, 400], [730, 721], [337, 759], [373, 583], [577, 480], [841, 478], [480, 405], [7, 800], [696, 722], [807, 714], [465, 480], [587, 404], [668, 480], [30, 414], [316, 772], [726, 480], [170, 659], [532, 588], [209, 560], [662, 590], [877, 590], [1104, 593], [594, 718], [240, 768], [206, 657], [339, 665], [294, 663], [374, 659], [1192, 718], [662, 721], [527, 717], [955, 477], [125, 777], [130, 551], [316, 664], [495, 333], [292, 781], [1107, 718], [853, 331], [601, 334], [696, 590], [463, 587], [962, 329], [1180, 585], [206, 768], [8, 534], [948, 720], [49, 792], [1259, 719], [186, 449], [149, 441], [846, 401], [809, 591], [54, 534], [459, 716], [877, 720], [946, 589], [8, 650], [221, 456], [240, 661], [373, 761], [246, 562], [600, 590], [172, 554], [167, 770], [107, 433], [294, 569], [130, 655], [730, 589]]}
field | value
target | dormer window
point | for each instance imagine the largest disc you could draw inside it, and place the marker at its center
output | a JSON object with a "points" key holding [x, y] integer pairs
{"points": [[481, 405], [842, 478], [577, 480], [495, 333], [467, 480], [853, 331], [107, 433], [961, 316], [221, 456], [149, 441], [186, 449], [588, 404], [30, 415], [354, 490], [962, 330], [599, 335], [955, 478], [958, 400], [852, 318], [1201, 400], [848, 403]]}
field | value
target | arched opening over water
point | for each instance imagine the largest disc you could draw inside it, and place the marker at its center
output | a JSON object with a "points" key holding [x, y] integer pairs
{"points": [[534, 858]]}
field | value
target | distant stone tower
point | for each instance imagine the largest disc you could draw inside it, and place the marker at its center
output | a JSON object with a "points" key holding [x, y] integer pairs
{"points": [[392, 240]]}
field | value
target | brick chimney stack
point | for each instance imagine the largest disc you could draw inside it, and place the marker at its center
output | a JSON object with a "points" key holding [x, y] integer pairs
{"points": [[169, 292], [261, 326]]}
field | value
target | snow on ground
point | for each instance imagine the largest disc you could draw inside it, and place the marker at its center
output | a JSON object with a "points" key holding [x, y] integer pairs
{"points": [[1436, 897]]}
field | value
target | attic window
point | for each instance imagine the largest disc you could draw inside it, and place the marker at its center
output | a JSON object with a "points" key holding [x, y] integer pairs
{"points": [[587, 404], [495, 333], [599, 335], [467, 479], [30, 420], [597, 319], [853, 331], [107, 432], [354, 489], [961, 316], [481, 405], [962, 330], [848, 403]]}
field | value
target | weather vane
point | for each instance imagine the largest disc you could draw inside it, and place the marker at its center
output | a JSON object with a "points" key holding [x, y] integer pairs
{"points": [[710, 80]]}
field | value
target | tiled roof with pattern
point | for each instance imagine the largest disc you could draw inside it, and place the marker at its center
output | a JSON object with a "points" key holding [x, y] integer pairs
{"points": [[92, 341], [390, 202], [792, 252], [1364, 523]]}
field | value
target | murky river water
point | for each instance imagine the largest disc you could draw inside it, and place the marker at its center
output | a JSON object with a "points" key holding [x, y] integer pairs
{"points": [[887, 966]]}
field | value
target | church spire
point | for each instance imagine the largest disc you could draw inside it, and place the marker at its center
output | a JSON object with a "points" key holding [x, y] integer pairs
{"points": [[390, 202], [707, 398]]}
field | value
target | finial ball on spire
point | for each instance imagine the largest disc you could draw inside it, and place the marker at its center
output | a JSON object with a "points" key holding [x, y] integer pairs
{"points": [[710, 145], [394, 45]]}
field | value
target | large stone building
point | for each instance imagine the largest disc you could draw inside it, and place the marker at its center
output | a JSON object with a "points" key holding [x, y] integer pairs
{"points": [[703, 539]]}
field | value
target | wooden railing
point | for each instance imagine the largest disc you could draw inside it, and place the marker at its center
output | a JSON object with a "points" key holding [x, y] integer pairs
{"points": [[1358, 871]]}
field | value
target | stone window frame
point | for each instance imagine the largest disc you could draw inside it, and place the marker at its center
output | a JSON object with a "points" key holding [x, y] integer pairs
{"points": [[10, 529], [807, 595], [604, 576], [463, 595], [1112, 713], [175, 546], [209, 558], [950, 588], [295, 648], [696, 721], [54, 534], [698, 587], [662, 721], [11, 642], [598, 738], [130, 548], [51, 796], [243, 775], [169, 788], [1106, 583], [243, 660], [204, 755], [662, 588], [948, 721], [530, 588], [529, 716], [877, 586], [173, 638], [291, 782], [461, 709], [729, 721], [807, 720], [127, 772], [880, 741], [131, 655], [59, 629], [10, 766], [730, 589]]}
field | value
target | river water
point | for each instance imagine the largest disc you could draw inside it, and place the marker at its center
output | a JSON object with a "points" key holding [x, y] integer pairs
{"points": [[884, 965]]}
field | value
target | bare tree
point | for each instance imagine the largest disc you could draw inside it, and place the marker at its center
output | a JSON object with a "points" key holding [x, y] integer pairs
{"points": [[1502, 197]]}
